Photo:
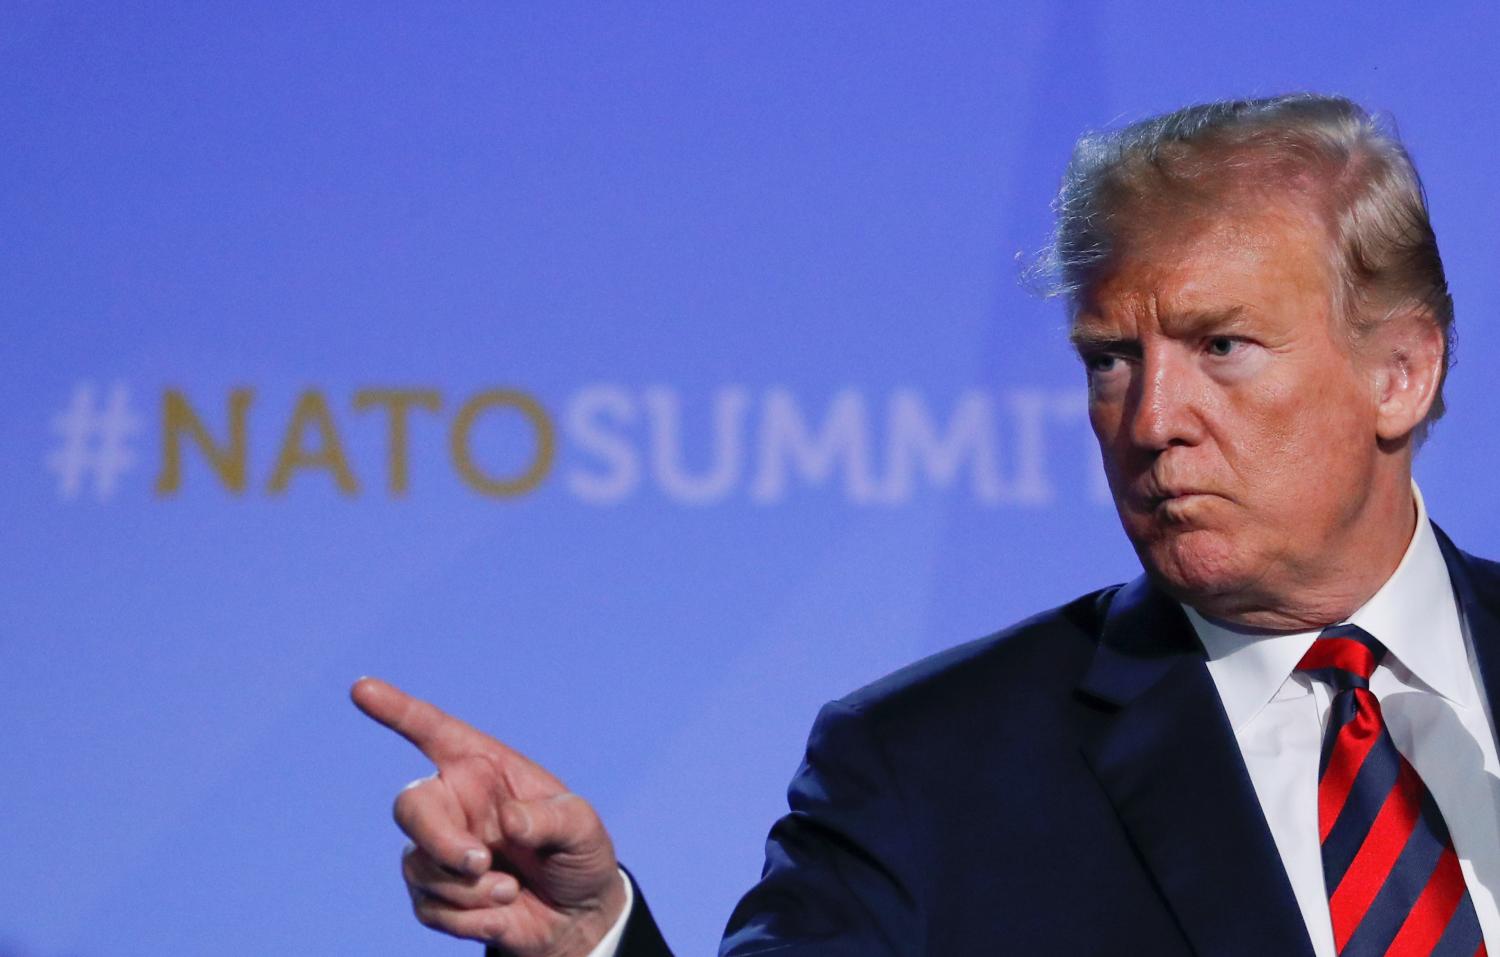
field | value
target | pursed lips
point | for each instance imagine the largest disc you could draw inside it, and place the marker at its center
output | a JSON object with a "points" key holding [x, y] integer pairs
{"points": [[1156, 497]]}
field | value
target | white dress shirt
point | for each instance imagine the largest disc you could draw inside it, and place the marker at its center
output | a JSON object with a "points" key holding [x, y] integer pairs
{"points": [[1433, 703], [1434, 706], [610, 942]]}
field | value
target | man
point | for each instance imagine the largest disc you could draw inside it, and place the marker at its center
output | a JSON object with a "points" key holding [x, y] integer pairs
{"points": [[1276, 741]]}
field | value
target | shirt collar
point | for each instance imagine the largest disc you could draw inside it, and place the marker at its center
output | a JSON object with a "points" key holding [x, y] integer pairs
{"points": [[1410, 614]]}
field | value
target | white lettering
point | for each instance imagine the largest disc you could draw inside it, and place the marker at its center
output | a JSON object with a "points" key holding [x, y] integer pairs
{"points": [[785, 443], [913, 443], [714, 483], [589, 414], [1029, 485]]}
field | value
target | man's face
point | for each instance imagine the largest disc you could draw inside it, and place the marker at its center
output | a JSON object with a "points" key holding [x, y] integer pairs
{"points": [[1238, 429]]}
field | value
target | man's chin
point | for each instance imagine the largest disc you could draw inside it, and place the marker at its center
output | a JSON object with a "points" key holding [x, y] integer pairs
{"points": [[1194, 566]]}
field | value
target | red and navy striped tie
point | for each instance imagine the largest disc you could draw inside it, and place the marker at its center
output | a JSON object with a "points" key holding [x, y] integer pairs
{"points": [[1394, 884]]}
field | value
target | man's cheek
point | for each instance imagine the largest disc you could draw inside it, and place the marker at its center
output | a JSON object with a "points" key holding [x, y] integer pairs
{"points": [[1104, 419]]}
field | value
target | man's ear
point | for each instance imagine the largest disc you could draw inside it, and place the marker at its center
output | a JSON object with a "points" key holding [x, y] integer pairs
{"points": [[1405, 353]]}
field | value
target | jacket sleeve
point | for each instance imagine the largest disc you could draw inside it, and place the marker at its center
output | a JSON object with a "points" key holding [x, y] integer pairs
{"points": [[642, 937], [844, 873]]}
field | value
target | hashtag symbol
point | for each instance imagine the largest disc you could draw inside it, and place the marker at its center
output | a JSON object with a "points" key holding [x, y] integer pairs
{"points": [[93, 441]]}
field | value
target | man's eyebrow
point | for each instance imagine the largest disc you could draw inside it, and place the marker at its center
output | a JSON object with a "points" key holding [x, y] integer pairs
{"points": [[1201, 321], [1092, 335], [1085, 335]]}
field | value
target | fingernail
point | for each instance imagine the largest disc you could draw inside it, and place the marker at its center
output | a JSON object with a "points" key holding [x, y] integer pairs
{"points": [[474, 861], [503, 892]]}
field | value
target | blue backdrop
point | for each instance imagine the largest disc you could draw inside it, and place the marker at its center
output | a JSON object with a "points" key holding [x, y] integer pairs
{"points": [[627, 379]]}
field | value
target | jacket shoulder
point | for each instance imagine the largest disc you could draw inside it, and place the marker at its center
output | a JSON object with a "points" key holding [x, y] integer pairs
{"points": [[1041, 655], [1486, 570]]}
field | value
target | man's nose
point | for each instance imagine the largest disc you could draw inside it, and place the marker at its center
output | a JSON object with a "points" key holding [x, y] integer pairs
{"points": [[1167, 405]]}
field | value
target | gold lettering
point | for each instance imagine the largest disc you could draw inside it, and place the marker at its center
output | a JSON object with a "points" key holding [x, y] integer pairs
{"points": [[178, 418], [397, 403], [541, 424], [312, 409]]}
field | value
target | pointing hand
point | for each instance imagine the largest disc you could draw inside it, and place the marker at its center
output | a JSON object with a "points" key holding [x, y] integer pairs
{"points": [[500, 851]]}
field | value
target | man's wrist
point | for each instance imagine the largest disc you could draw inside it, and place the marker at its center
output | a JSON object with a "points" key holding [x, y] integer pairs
{"points": [[610, 942]]}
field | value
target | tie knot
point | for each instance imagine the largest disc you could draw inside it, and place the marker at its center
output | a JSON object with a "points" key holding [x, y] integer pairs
{"points": [[1344, 656]]}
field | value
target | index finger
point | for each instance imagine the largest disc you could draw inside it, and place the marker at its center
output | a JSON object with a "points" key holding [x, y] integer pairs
{"points": [[436, 733]]}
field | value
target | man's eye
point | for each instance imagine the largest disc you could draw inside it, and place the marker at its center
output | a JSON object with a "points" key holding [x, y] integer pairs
{"points": [[1222, 345], [1101, 363]]}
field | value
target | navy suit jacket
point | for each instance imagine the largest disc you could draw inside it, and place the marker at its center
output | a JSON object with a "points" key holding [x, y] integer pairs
{"points": [[1069, 786]]}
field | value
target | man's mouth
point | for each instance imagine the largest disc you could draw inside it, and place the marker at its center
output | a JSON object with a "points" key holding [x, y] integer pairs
{"points": [[1174, 502]]}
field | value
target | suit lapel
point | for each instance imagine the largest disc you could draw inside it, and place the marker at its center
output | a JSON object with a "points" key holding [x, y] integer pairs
{"points": [[1163, 750], [1476, 586]]}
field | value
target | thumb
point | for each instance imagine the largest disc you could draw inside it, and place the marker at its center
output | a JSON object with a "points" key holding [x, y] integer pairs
{"points": [[561, 823]]}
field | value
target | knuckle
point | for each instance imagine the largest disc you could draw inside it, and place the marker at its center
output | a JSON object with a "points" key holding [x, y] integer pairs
{"points": [[409, 802], [426, 915], [401, 808], [571, 807], [410, 868], [493, 929]]}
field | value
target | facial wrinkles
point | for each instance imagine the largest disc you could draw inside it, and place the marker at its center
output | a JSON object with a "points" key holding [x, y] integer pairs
{"points": [[1274, 434], [1186, 442], [1179, 410], [1174, 407]]}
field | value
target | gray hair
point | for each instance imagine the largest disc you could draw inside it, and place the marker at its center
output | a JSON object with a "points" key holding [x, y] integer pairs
{"points": [[1349, 165]]}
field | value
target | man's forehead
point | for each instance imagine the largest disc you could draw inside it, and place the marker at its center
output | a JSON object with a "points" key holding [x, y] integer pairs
{"points": [[1169, 227], [1188, 266]]}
